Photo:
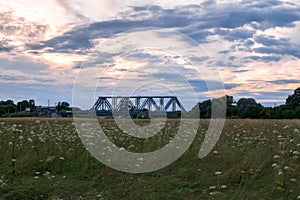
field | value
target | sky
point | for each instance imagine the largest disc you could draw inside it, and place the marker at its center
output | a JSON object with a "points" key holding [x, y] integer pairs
{"points": [[77, 50]]}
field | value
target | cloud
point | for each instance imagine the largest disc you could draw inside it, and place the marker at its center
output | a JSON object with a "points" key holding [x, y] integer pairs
{"points": [[284, 81], [265, 58], [235, 21], [93, 10], [10, 78], [16, 32], [288, 49], [238, 35], [202, 85], [4, 47], [23, 64]]}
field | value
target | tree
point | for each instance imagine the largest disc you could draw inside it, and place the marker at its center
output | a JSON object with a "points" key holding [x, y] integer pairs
{"points": [[205, 109], [293, 100], [248, 108], [231, 110], [63, 106]]}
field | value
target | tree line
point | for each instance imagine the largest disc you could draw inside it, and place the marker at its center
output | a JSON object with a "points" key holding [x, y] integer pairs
{"points": [[249, 108], [243, 108], [9, 108]]}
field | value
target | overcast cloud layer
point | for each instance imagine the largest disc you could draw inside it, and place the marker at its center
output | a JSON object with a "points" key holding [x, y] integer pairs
{"points": [[254, 45]]}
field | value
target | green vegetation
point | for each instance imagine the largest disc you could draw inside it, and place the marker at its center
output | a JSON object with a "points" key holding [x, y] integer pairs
{"points": [[244, 108], [249, 108], [254, 159]]}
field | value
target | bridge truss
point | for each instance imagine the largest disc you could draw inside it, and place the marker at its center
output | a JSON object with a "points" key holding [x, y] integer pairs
{"points": [[134, 105]]}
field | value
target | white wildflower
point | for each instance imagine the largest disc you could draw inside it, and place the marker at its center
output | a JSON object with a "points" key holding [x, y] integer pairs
{"points": [[223, 186], [218, 173], [274, 165], [212, 187]]}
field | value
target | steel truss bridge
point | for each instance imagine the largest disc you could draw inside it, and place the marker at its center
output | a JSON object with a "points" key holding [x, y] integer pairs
{"points": [[136, 105]]}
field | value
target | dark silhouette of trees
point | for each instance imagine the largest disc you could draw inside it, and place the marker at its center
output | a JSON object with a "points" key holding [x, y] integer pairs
{"points": [[293, 101], [63, 106], [243, 108], [7, 107], [22, 105], [248, 108]]}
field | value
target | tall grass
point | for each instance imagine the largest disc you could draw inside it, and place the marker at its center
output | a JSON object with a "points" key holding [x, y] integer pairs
{"points": [[254, 159]]}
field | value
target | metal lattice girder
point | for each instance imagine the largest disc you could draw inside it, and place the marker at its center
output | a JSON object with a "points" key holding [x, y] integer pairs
{"points": [[109, 104]]}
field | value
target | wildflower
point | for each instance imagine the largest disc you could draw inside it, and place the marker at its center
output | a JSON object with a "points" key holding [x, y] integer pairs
{"points": [[21, 137], [36, 177], [223, 186], [29, 140], [212, 193], [50, 158], [61, 158], [286, 168], [212, 187], [218, 173], [47, 173], [296, 152], [215, 152], [274, 165], [293, 180], [276, 156]]}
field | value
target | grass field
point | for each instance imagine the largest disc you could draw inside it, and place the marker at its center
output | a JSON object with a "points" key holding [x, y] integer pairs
{"points": [[254, 159]]}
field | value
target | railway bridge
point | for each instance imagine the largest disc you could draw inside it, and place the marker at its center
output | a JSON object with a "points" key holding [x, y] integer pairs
{"points": [[137, 106]]}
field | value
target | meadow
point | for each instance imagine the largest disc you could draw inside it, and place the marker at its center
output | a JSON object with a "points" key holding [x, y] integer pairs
{"points": [[254, 159]]}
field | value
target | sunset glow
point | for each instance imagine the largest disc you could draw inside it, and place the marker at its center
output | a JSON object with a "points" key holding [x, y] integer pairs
{"points": [[254, 45]]}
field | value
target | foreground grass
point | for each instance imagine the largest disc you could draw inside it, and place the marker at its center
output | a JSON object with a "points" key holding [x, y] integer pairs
{"points": [[254, 159]]}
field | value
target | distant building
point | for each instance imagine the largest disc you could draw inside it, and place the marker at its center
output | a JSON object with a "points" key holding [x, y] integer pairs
{"points": [[45, 110]]}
